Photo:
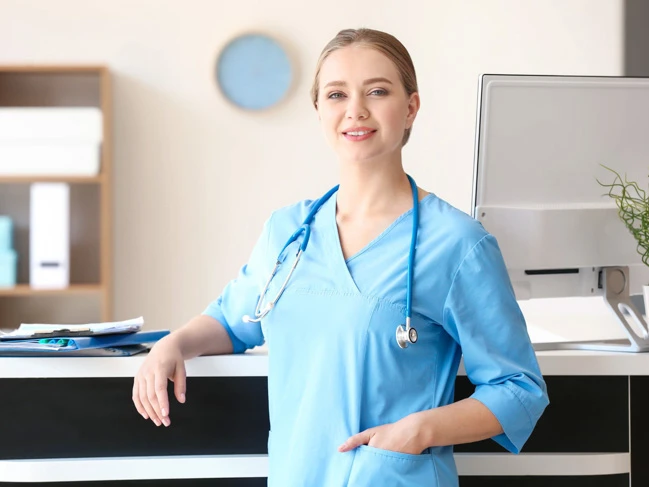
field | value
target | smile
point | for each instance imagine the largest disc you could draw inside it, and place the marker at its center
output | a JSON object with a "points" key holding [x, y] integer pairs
{"points": [[359, 135]]}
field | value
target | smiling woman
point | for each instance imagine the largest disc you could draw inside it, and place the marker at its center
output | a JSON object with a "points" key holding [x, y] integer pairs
{"points": [[351, 402]]}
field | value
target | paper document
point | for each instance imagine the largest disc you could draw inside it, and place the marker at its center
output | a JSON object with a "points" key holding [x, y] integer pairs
{"points": [[39, 330]]}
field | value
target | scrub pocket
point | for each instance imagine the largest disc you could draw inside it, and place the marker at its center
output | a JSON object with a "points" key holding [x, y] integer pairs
{"points": [[374, 467]]}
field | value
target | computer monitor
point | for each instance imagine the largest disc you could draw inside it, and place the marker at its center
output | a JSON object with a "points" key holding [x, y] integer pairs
{"points": [[541, 142]]}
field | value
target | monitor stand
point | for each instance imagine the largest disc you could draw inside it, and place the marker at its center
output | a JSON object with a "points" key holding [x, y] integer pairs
{"points": [[617, 297]]}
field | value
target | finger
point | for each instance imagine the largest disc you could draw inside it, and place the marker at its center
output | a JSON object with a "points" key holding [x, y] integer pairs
{"points": [[147, 391], [355, 441], [136, 400], [144, 400], [180, 382], [161, 404]]}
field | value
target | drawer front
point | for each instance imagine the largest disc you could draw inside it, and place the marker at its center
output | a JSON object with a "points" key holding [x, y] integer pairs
{"points": [[229, 415], [260, 482], [69, 418], [640, 430], [586, 415], [621, 480]]}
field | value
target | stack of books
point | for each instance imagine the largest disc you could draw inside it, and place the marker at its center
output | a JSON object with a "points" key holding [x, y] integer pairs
{"points": [[114, 339]]}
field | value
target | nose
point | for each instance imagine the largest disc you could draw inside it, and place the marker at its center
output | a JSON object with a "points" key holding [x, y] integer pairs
{"points": [[356, 108]]}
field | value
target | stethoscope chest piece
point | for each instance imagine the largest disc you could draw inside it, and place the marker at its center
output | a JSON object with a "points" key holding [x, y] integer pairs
{"points": [[406, 335]]}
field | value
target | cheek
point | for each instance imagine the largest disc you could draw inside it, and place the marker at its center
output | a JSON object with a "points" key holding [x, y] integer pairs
{"points": [[399, 114], [329, 123], [397, 120]]}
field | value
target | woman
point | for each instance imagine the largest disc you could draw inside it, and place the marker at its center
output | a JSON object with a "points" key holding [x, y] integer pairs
{"points": [[360, 402]]}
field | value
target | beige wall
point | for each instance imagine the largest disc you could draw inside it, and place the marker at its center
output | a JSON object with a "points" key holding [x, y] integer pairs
{"points": [[195, 178]]}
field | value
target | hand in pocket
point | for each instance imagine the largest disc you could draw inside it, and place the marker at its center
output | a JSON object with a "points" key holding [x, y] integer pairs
{"points": [[404, 436]]}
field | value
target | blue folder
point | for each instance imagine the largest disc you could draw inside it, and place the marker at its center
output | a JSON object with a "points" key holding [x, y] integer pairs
{"points": [[61, 345], [123, 351]]}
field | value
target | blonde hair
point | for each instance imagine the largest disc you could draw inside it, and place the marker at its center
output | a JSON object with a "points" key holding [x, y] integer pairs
{"points": [[383, 42]]}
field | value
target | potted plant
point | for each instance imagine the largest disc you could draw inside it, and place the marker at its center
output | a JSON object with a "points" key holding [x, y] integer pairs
{"points": [[633, 209]]}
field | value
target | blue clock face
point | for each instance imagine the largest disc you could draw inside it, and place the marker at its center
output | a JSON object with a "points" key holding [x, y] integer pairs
{"points": [[253, 71]]}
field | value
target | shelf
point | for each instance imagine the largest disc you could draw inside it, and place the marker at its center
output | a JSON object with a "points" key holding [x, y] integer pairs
{"points": [[30, 84], [46, 68], [51, 179], [74, 289]]}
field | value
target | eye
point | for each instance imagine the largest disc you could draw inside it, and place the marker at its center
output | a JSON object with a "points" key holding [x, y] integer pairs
{"points": [[379, 92], [335, 95]]}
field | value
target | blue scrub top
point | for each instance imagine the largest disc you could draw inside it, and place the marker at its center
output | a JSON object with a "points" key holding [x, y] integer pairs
{"points": [[335, 368]]}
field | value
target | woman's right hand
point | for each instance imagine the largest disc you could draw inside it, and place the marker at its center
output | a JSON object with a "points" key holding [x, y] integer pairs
{"points": [[164, 362]]}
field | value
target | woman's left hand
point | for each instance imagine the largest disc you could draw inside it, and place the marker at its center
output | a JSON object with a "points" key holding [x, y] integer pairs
{"points": [[404, 436]]}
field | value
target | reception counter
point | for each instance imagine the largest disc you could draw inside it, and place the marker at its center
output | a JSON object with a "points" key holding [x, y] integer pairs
{"points": [[70, 421]]}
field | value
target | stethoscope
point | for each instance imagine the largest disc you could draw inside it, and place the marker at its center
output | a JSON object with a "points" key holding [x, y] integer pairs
{"points": [[405, 334]]}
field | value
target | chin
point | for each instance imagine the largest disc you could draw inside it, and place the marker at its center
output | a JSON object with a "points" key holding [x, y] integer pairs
{"points": [[357, 158], [361, 156]]}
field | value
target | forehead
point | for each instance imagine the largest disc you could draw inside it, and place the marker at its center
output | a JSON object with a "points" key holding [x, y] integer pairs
{"points": [[356, 63]]}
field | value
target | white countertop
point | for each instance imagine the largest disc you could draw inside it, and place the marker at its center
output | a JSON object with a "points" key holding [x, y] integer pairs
{"points": [[243, 466], [255, 363]]}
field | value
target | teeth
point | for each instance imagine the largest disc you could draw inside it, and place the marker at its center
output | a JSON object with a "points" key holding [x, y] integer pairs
{"points": [[358, 133]]}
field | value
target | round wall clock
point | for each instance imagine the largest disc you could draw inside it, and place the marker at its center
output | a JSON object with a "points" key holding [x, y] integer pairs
{"points": [[253, 71]]}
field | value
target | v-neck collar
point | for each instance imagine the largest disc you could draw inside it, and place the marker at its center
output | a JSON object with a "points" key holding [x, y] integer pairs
{"points": [[339, 257]]}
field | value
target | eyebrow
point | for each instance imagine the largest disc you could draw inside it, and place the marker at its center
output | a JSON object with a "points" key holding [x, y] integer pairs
{"points": [[369, 81]]}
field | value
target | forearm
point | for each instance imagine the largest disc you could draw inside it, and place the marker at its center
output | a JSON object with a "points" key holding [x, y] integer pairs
{"points": [[202, 335], [465, 421]]}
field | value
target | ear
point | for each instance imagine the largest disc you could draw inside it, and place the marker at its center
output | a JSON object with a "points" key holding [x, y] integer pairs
{"points": [[413, 107]]}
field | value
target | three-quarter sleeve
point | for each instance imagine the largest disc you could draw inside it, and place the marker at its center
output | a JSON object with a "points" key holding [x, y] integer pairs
{"points": [[482, 315], [240, 296]]}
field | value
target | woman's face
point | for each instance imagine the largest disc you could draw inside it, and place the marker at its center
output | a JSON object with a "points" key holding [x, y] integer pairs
{"points": [[362, 104]]}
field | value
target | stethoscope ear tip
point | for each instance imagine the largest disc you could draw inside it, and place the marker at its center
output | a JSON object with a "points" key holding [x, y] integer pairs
{"points": [[246, 319]]}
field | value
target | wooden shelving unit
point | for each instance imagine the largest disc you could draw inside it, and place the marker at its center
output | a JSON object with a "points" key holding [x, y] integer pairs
{"points": [[73, 289], [51, 179], [91, 276]]}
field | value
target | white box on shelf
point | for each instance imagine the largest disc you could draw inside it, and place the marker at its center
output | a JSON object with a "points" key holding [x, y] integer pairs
{"points": [[49, 236], [58, 141], [55, 160]]}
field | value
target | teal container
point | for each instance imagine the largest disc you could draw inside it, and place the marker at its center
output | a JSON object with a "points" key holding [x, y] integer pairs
{"points": [[6, 231], [8, 268]]}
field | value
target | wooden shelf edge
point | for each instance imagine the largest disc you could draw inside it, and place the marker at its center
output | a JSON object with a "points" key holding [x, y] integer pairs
{"points": [[52, 179], [26, 290], [53, 68]]}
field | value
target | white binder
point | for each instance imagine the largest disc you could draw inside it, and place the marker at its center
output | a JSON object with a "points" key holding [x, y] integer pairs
{"points": [[49, 237]]}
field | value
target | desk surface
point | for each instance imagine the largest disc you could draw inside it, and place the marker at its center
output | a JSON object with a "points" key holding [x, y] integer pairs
{"points": [[245, 466], [255, 363]]}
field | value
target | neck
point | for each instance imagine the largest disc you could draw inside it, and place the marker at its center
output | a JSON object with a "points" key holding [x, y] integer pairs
{"points": [[368, 190]]}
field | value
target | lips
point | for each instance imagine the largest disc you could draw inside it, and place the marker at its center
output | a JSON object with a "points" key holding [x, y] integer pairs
{"points": [[359, 134], [358, 131]]}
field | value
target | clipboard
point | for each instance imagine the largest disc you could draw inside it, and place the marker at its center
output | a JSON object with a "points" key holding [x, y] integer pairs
{"points": [[59, 333], [34, 331]]}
